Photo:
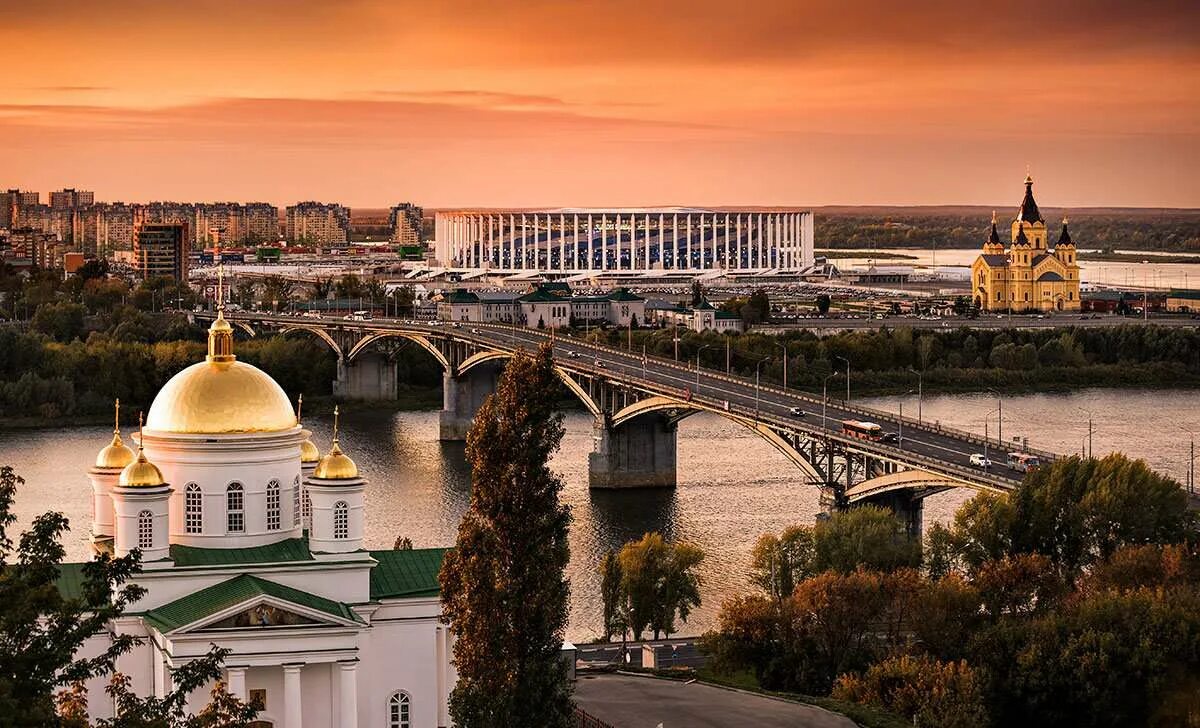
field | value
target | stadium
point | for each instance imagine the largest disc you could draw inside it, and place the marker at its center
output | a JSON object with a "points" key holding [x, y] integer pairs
{"points": [[624, 239]]}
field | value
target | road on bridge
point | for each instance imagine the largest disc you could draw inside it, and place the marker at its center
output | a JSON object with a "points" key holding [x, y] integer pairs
{"points": [[917, 444]]}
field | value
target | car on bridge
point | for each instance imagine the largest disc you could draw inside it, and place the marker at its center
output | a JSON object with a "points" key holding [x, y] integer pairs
{"points": [[797, 412], [980, 461]]}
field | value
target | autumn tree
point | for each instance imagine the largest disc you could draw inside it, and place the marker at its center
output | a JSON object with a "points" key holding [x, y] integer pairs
{"points": [[781, 562], [922, 690], [660, 583], [504, 588], [41, 632], [864, 537], [613, 596]]}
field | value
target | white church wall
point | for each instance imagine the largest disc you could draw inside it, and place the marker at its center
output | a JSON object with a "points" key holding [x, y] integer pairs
{"points": [[399, 655]]}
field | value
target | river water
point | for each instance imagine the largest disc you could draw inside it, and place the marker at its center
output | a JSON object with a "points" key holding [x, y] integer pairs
{"points": [[1097, 272], [732, 485]]}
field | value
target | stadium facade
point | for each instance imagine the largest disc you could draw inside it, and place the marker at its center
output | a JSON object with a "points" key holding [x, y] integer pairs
{"points": [[624, 239]]}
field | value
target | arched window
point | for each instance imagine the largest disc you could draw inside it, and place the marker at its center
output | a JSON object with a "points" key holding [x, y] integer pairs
{"points": [[399, 710], [296, 502], [307, 513], [145, 530], [235, 508], [274, 518], [193, 509], [341, 520]]}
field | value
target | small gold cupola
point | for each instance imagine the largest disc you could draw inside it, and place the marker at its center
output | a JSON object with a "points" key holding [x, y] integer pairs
{"points": [[116, 454], [220, 334], [141, 473], [336, 465], [308, 451]]}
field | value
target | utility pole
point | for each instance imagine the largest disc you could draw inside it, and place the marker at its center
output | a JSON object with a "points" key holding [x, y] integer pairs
{"points": [[1090, 431], [847, 377], [920, 393], [728, 354], [785, 362]]}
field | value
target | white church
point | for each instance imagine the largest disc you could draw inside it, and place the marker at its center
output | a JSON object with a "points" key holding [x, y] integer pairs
{"points": [[251, 540]]}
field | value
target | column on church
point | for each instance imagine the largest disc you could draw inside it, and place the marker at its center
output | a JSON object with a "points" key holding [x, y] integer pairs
{"points": [[348, 694], [292, 697]]}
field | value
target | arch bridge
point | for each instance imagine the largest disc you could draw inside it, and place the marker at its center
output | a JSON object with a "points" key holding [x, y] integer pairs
{"points": [[637, 401]]}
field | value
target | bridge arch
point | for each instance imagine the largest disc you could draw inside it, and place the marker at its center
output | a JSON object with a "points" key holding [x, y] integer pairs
{"points": [[682, 409], [321, 334], [491, 355], [371, 338], [920, 482]]}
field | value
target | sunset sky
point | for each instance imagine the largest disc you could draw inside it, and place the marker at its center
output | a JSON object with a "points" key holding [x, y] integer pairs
{"points": [[623, 102]]}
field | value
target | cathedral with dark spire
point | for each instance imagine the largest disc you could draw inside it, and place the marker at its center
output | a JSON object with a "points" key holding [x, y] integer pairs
{"points": [[1029, 275]]}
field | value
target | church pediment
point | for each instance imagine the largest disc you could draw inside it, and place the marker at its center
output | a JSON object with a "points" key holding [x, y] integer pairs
{"points": [[249, 603]]}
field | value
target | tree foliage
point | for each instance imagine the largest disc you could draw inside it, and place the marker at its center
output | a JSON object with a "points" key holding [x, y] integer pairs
{"points": [[42, 632], [659, 583], [923, 690], [504, 588]]}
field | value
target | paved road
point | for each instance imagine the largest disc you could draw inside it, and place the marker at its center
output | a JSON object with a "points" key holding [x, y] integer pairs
{"points": [[642, 702]]}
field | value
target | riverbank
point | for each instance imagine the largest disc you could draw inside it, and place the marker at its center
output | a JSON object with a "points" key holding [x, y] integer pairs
{"points": [[1151, 257]]}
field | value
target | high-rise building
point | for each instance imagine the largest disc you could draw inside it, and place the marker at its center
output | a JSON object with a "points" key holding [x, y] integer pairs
{"points": [[261, 222], [319, 223], [405, 221], [161, 250], [71, 199], [11, 201]]}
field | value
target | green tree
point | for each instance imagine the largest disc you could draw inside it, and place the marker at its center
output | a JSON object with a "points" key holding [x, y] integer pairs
{"points": [[823, 303], [781, 562], [612, 595], [697, 293], [504, 588], [660, 582], [42, 631], [866, 537], [60, 321], [277, 293]]}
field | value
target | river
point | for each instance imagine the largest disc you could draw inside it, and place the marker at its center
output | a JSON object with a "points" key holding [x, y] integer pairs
{"points": [[732, 485], [1096, 272]]}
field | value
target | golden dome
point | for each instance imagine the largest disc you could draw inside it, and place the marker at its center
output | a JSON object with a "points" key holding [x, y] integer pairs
{"points": [[336, 465], [116, 454], [141, 473], [220, 397], [309, 452]]}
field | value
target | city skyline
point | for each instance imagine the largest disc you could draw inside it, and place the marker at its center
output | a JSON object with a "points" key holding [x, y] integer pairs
{"points": [[455, 104]]}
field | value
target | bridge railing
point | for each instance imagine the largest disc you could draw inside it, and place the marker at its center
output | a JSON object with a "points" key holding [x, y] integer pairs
{"points": [[463, 331]]}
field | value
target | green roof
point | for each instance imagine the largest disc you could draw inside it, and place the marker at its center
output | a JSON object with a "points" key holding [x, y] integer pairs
{"points": [[461, 296], [623, 294], [727, 315], [292, 549], [407, 573], [218, 597], [1188, 295], [559, 287], [704, 306], [70, 580], [540, 295]]}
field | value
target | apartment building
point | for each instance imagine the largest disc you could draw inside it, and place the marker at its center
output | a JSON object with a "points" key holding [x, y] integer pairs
{"points": [[405, 222], [318, 222]]}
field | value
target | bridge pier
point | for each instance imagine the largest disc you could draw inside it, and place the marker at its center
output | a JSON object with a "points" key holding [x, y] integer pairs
{"points": [[638, 454], [462, 396], [905, 505], [368, 376]]}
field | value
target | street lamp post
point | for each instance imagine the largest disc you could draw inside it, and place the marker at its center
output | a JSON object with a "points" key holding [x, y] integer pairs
{"points": [[825, 399], [847, 377], [999, 414], [785, 362], [900, 422], [920, 393], [1191, 475], [1091, 429], [702, 348], [757, 377]]}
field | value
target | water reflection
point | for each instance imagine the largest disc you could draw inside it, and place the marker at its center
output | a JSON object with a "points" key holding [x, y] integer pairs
{"points": [[733, 486]]}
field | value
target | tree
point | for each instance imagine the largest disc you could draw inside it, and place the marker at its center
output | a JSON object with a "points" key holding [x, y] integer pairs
{"points": [[61, 321], [504, 588], [403, 543], [277, 292], [697, 293], [42, 631], [757, 309], [659, 581], [781, 562], [613, 596], [922, 690], [865, 537], [823, 303]]}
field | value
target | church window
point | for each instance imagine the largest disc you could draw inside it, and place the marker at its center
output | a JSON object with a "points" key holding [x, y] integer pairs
{"points": [[341, 521], [145, 525], [296, 502], [235, 508], [399, 710], [306, 514], [193, 514], [1026, 295], [274, 519]]}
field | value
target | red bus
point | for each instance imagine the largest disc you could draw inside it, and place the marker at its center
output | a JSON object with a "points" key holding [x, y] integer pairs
{"points": [[862, 430]]}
